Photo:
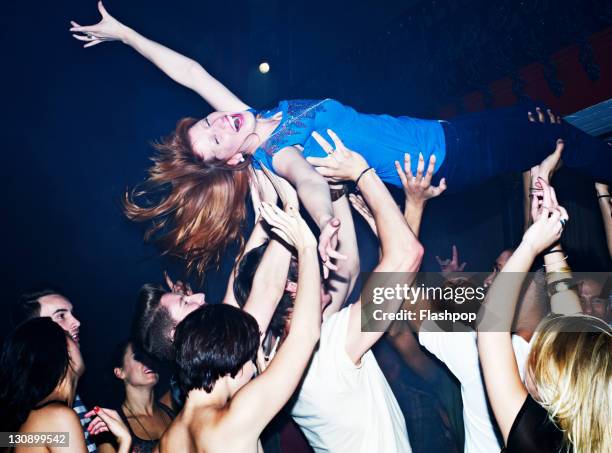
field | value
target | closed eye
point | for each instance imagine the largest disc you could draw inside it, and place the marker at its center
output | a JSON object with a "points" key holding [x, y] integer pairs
{"points": [[214, 136]]}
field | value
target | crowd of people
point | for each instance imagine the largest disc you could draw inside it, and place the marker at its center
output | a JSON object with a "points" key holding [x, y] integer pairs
{"points": [[290, 340]]}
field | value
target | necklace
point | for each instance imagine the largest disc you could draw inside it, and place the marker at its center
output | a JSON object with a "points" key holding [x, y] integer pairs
{"points": [[138, 421]]}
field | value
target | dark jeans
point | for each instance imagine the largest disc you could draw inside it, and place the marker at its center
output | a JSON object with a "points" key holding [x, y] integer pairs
{"points": [[485, 144]]}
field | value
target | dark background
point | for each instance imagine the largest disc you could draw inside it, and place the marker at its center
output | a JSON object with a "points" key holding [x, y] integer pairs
{"points": [[77, 125]]}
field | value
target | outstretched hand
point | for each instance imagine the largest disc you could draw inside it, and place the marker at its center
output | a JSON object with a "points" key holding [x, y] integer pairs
{"points": [[418, 188], [107, 420], [108, 29], [451, 265], [177, 287], [328, 243], [341, 163], [549, 219], [290, 227], [547, 168]]}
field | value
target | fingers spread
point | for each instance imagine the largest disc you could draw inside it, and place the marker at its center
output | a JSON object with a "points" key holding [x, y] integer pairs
{"points": [[322, 142]]}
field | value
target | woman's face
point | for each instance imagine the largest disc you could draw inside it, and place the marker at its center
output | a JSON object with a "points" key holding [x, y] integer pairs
{"points": [[222, 136], [134, 372]]}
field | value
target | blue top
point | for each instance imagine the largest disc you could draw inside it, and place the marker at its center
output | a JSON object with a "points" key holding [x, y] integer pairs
{"points": [[381, 139]]}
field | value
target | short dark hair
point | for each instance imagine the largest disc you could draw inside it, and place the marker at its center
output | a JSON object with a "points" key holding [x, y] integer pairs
{"points": [[153, 324], [243, 283], [211, 342], [28, 304], [34, 360]]}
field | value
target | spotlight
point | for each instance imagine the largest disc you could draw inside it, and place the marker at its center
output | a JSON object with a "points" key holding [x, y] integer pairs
{"points": [[264, 67]]}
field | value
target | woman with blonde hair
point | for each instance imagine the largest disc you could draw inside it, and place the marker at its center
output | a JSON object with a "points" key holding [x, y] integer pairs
{"points": [[565, 403]]}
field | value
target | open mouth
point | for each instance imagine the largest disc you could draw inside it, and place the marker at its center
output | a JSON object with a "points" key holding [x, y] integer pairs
{"points": [[75, 336], [235, 121]]}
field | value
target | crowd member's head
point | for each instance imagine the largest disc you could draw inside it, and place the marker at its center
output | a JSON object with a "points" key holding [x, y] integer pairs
{"points": [[594, 298], [498, 265], [47, 302], [38, 359], [157, 314], [216, 343], [569, 369], [128, 367]]}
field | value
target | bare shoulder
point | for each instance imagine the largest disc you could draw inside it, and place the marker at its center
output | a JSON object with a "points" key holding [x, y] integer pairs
{"points": [[56, 417], [178, 437]]}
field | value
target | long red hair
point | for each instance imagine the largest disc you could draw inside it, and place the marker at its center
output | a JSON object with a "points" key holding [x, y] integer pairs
{"points": [[196, 208]]}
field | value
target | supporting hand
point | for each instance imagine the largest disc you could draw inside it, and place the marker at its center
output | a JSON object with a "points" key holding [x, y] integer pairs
{"points": [[418, 188]]}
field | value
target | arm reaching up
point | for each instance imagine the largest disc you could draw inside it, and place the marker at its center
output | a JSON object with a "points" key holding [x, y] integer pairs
{"points": [[503, 382], [401, 252], [270, 391], [418, 189], [605, 204], [179, 68]]}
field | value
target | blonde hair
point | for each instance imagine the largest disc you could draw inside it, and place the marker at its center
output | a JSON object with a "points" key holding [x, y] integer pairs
{"points": [[571, 363]]}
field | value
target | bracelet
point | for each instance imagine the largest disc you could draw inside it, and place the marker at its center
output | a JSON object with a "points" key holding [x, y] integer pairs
{"points": [[557, 262], [560, 286], [605, 195], [361, 174], [336, 194], [552, 251]]}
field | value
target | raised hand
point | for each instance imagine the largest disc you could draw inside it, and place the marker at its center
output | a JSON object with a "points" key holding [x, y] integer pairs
{"points": [[108, 420], [362, 208], [108, 29], [177, 287], [262, 189], [547, 168], [451, 265], [549, 219], [418, 188], [341, 163], [290, 227], [328, 243]]}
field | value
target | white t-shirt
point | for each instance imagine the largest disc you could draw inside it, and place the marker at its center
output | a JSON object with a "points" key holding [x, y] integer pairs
{"points": [[459, 351], [343, 407]]}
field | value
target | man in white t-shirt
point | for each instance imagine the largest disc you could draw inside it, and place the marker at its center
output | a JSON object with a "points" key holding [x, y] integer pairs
{"points": [[345, 403]]}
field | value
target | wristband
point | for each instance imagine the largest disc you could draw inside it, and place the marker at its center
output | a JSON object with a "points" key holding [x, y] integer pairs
{"points": [[560, 286], [550, 252], [557, 262], [605, 195], [361, 174]]}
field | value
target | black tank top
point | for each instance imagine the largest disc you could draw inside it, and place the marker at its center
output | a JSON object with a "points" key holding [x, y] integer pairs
{"points": [[533, 431], [144, 445]]}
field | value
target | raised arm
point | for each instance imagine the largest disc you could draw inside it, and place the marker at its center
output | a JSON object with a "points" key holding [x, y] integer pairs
{"points": [[504, 386], [271, 276], [418, 189], [313, 192], [605, 204], [179, 68], [401, 252], [341, 282], [256, 403]]}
